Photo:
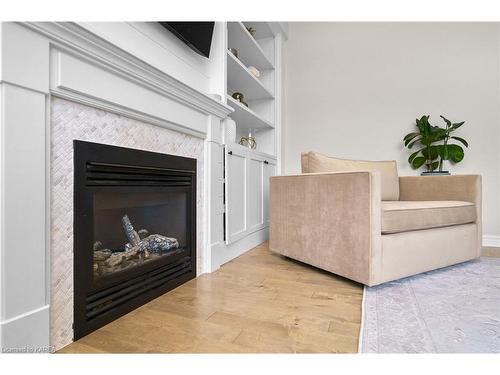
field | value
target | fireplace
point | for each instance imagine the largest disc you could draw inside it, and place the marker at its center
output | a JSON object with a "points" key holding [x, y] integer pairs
{"points": [[135, 230]]}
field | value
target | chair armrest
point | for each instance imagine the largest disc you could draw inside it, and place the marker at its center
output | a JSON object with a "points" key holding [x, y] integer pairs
{"points": [[328, 220], [440, 188]]}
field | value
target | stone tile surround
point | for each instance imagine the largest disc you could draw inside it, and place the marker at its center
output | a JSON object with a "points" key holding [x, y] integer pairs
{"points": [[71, 121]]}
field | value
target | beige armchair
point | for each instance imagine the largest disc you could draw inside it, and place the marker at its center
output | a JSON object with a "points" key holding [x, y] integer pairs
{"points": [[361, 221]]}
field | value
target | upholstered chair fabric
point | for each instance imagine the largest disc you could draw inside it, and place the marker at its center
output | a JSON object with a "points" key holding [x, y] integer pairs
{"points": [[403, 216], [337, 221], [313, 162], [328, 220]]}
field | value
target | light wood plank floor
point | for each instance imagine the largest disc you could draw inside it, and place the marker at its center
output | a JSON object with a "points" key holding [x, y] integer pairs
{"points": [[259, 302]]}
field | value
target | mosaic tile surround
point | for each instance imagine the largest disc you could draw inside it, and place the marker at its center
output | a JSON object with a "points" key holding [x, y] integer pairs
{"points": [[71, 121]]}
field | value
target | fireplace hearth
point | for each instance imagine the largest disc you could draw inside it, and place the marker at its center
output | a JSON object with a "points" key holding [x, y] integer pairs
{"points": [[135, 230]]}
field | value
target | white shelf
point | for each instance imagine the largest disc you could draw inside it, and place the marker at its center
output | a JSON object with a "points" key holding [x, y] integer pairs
{"points": [[254, 151], [263, 30], [240, 79], [248, 49], [245, 117]]}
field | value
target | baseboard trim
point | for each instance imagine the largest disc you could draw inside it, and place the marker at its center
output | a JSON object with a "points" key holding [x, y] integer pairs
{"points": [[26, 333], [225, 253], [491, 241]]}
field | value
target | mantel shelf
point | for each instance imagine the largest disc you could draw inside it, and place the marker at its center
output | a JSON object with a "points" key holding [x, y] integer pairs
{"points": [[246, 118]]}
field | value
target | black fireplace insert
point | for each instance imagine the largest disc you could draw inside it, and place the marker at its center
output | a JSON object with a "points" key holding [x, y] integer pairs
{"points": [[134, 230]]}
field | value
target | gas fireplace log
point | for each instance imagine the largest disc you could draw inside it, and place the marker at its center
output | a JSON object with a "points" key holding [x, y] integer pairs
{"points": [[102, 255], [143, 233], [131, 234], [117, 258], [156, 243]]}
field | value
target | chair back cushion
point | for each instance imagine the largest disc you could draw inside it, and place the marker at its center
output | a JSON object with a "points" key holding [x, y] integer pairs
{"points": [[313, 162]]}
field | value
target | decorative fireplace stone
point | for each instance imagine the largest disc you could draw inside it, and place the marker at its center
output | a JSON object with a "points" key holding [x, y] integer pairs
{"points": [[70, 121]]}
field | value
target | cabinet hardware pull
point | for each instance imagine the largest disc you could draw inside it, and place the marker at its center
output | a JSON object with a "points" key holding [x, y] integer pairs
{"points": [[266, 162], [229, 152]]}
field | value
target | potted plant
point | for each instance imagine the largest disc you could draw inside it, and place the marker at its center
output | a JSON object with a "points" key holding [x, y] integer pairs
{"points": [[430, 154], [450, 151], [424, 137]]}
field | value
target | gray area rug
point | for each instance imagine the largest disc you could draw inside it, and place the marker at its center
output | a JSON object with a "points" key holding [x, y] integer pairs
{"points": [[452, 310]]}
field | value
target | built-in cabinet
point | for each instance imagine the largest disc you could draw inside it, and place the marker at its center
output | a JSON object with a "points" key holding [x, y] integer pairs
{"points": [[246, 191], [253, 68], [239, 176]]}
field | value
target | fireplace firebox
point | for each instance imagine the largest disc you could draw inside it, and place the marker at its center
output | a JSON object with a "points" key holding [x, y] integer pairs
{"points": [[134, 230]]}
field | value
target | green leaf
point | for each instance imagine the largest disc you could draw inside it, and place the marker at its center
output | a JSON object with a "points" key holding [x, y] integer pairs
{"points": [[418, 162], [442, 151], [438, 133], [410, 136], [456, 153], [412, 143], [463, 141], [431, 153], [412, 156], [408, 141], [434, 165], [427, 141], [448, 122], [457, 125], [420, 126]]}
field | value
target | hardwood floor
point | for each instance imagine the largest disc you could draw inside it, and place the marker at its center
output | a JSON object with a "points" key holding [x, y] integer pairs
{"points": [[259, 302]]}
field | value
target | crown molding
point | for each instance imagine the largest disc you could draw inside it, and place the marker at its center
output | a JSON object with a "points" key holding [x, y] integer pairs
{"points": [[73, 37]]}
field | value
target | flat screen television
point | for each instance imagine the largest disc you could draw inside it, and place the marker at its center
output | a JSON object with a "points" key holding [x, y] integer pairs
{"points": [[197, 35]]}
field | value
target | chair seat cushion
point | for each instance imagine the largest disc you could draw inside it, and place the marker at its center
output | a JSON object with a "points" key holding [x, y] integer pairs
{"points": [[403, 216]]}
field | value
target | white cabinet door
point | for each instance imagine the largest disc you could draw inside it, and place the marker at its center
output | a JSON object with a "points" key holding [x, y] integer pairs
{"points": [[236, 172], [246, 191], [269, 170], [255, 207]]}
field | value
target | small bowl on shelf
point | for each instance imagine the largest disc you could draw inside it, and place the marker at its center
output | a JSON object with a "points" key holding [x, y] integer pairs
{"points": [[238, 96]]}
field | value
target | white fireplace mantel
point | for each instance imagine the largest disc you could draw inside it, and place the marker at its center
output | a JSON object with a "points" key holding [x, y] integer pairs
{"points": [[38, 60]]}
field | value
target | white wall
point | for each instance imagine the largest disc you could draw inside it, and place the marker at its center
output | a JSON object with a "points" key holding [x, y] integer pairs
{"points": [[354, 90]]}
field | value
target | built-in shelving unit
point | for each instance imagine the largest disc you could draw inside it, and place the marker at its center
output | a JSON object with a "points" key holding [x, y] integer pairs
{"points": [[259, 91], [239, 76], [249, 50], [246, 118]]}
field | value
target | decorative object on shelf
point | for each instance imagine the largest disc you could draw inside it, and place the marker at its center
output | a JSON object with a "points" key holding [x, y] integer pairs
{"points": [[234, 51], [249, 141], [252, 31], [254, 71], [230, 131], [433, 155], [239, 97]]}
